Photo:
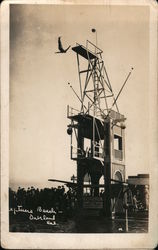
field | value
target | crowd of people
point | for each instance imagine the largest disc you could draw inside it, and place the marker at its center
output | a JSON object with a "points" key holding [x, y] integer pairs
{"points": [[57, 198], [140, 198], [62, 200]]}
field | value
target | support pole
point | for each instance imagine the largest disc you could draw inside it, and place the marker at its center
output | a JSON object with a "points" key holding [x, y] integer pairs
{"points": [[80, 145], [107, 170], [126, 210], [126, 219]]}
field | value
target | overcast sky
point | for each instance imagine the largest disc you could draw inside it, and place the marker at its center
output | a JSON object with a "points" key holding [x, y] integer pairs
{"points": [[39, 94]]}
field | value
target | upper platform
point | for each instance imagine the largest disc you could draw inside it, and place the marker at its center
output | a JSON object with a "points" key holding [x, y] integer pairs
{"points": [[82, 51], [87, 53], [78, 116]]}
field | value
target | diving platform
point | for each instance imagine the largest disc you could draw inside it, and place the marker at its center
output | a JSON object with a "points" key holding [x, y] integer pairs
{"points": [[85, 52], [82, 51]]}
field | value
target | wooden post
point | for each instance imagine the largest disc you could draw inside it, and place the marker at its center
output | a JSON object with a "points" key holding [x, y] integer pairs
{"points": [[80, 144], [107, 170], [126, 211]]}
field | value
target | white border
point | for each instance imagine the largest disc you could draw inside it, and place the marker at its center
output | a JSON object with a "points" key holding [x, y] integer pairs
{"points": [[77, 241]]}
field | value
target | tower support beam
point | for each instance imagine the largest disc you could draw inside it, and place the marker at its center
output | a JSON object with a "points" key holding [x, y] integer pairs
{"points": [[107, 169]]}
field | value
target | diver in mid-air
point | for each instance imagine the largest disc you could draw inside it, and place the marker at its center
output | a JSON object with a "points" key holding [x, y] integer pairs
{"points": [[60, 47]]}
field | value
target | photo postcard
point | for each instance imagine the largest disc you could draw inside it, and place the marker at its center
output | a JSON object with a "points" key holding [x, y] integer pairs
{"points": [[79, 124]]}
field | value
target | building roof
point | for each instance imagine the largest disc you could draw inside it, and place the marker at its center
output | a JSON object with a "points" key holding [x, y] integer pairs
{"points": [[140, 179]]}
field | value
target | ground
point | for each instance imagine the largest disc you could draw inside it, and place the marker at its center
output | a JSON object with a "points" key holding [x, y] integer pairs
{"points": [[136, 223]]}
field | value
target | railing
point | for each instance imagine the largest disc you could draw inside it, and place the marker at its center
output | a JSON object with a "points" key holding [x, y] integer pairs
{"points": [[98, 113], [78, 153], [115, 115], [98, 151], [75, 152], [92, 47], [71, 111]]}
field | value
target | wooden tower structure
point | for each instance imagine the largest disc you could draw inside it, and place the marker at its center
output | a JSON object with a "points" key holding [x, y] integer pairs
{"points": [[97, 133]]}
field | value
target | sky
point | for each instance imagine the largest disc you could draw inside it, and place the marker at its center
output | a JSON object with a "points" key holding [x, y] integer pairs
{"points": [[39, 93]]}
